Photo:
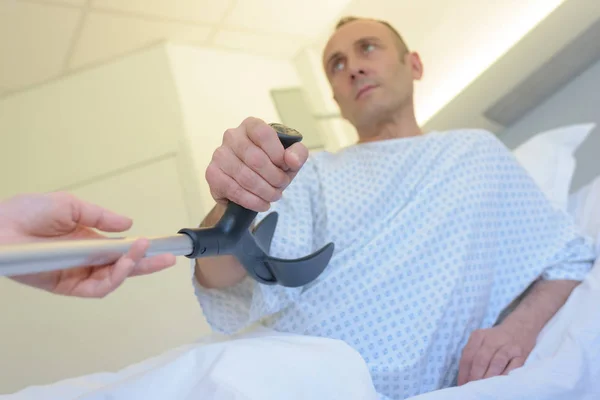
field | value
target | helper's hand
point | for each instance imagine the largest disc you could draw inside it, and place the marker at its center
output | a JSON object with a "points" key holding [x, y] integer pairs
{"points": [[495, 351], [38, 217], [251, 167]]}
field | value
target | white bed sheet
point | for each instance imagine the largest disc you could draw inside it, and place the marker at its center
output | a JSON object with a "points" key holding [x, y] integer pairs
{"points": [[260, 365], [564, 365], [584, 205]]}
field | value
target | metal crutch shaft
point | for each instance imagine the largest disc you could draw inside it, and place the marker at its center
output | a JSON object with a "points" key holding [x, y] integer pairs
{"points": [[31, 258], [230, 236]]}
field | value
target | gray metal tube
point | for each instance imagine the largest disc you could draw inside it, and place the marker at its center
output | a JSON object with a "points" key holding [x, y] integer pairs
{"points": [[30, 258]]}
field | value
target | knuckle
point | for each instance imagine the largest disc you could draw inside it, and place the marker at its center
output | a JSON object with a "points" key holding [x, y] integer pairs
{"points": [[270, 195], [499, 360], [277, 195], [518, 362], [263, 131], [282, 180], [246, 178], [477, 334], [255, 204], [235, 193], [255, 158], [480, 361], [516, 350], [248, 121], [505, 353], [219, 155], [229, 135], [211, 174]]}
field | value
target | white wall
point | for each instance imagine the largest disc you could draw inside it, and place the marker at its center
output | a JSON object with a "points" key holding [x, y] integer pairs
{"points": [[111, 135], [577, 102], [134, 135]]}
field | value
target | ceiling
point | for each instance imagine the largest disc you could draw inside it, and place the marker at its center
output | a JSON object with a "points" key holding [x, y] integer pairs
{"points": [[43, 39], [557, 50]]}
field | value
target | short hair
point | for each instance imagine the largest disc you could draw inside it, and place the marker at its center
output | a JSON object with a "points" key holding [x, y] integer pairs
{"points": [[402, 47]]}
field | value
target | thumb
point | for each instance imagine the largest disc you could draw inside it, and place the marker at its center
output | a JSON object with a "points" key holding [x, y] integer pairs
{"points": [[295, 156], [122, 269]]}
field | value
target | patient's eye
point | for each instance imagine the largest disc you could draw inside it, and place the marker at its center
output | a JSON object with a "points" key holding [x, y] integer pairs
{"points": [[337, 65], [368, 47]]}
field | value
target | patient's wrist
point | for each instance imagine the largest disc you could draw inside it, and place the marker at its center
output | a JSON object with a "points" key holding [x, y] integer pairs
{"points": [[539, 306], [522, 323]]}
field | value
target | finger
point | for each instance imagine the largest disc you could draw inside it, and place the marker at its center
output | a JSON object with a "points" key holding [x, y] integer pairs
{"points": [[481, 362], [499, 361], [223, 187], [153, 264], [253, 156], [515, 363], [246, 177], [104, 280], [468, 354], [265, 137], [295, 157], [93, 216], [125, 266]]}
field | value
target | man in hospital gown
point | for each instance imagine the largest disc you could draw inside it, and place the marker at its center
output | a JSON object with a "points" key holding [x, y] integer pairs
{"points": [[436, 234]]}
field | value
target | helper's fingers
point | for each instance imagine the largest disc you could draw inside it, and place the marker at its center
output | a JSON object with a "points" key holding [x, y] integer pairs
{"points": [[501, 359], [468, 355], [125, 266], [104, 280], [153, 264], [93, 216]]}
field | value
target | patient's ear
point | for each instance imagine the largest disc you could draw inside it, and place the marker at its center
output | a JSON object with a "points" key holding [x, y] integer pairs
{"points": [[416, 65]]}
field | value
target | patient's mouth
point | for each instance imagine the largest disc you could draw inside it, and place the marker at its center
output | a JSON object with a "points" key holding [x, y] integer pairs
{"points": [[364, 90]]}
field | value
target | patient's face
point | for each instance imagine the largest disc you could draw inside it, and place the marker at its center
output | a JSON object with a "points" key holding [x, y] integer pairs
{"points": [[371, 79]]}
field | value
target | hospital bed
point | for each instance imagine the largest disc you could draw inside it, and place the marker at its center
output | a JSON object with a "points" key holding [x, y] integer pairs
{"points": [[262, 364]]}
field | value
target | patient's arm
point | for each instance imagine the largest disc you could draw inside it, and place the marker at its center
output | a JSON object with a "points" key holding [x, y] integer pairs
{"points": [[221, 271], [540, 305], [498, 350]]}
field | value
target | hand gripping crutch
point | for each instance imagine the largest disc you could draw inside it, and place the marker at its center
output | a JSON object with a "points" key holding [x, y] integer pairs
{"points": [[230, 236]]}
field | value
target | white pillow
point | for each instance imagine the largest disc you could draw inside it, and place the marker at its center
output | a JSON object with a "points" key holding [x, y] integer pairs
{"points": [[584, 206], [549, 159]]}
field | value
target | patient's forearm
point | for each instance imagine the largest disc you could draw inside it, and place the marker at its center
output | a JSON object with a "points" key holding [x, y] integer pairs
{"points": [[540, 305], [222, 271]]}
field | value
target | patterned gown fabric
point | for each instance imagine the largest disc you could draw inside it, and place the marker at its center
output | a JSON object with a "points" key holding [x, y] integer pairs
{"points": [[434, 237]]}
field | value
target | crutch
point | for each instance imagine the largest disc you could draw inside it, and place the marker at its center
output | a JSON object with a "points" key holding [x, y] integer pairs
{"points": [[230, 236]]}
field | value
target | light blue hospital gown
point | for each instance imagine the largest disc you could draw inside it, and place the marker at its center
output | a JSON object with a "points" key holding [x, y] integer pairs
{"points": [[434, 236]]}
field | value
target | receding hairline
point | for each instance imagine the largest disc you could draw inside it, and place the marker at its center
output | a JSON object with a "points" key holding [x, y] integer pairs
{"points": [[401, 44]]}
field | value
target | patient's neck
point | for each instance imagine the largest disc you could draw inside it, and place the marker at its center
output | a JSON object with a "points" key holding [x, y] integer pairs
{"points": [[401, 124]]}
